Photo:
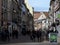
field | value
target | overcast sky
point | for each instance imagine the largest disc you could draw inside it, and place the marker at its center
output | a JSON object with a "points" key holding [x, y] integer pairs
{"points": [[40, 5]]}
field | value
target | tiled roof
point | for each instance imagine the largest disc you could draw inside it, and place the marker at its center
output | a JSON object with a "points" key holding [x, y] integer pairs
{"points": [[37, 15], [46, 14]]}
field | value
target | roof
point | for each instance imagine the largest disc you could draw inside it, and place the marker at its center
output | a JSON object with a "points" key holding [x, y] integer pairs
{"points": [[46, 14], [37, 15]]}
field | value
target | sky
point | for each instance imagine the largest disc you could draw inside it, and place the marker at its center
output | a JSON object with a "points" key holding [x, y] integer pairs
{"points": [[40, 5]]}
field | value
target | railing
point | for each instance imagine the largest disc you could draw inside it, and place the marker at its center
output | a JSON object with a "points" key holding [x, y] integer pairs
{"points": [[56, 7]]}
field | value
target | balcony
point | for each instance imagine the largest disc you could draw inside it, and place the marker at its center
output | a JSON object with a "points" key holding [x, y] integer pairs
{"points": [[56, 7]]}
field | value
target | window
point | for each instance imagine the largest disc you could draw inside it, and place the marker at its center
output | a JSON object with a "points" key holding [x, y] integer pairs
{"points": [[23, 7], [24, 13]]}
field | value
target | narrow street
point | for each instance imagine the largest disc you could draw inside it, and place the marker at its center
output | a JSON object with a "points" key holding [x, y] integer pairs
{"points": [[29, 22], [22, 39], [26, 39]]}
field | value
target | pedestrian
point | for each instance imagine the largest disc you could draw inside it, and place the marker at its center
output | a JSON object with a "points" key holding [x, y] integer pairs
{"points": [[24, 32], [42, 35], [10, 31], [47, 34], [7, 34], [15, 34], [28, 32], [3, 35], [38, 35], [33, 35], [56, 31], [0, 35]]}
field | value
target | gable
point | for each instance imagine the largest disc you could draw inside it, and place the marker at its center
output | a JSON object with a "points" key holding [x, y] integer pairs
{"points": [[46, 14], [42, 17]]}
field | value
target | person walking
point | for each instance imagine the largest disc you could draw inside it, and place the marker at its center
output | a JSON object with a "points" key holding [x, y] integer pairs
{"points": [[3, 37], [5, 34], [15, 34], [38, 34], [33, 35]]}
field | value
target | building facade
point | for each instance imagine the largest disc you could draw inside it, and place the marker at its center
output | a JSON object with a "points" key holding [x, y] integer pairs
{"points": [[10, 10], [56, 12], [41, 20], [0, 13], [54, 9], [27, 16], [15, 14], [57, 9]]}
